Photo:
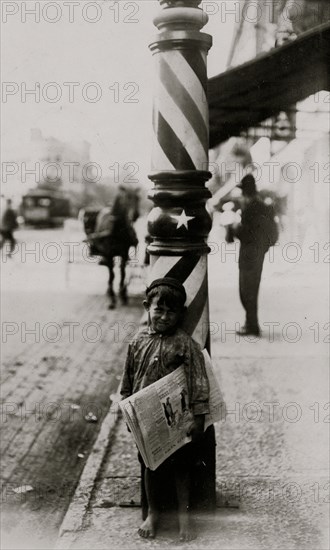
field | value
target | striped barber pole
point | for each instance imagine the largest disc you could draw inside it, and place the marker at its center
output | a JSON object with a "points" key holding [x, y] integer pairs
{"points": [[179, 222], [180, 116], [180, 111]]}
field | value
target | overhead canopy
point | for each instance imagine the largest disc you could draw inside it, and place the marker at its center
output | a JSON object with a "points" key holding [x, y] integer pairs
{"points": [[242, 97]]}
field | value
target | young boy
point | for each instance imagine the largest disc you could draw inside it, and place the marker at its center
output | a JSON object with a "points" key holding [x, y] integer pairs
{"points": [[155, 352]]}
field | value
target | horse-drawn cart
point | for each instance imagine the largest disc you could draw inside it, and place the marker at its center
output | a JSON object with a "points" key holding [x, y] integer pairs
{"points": [[110, 233]]}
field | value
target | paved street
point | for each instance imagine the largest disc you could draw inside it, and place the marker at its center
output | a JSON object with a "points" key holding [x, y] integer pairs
{"points": [[62, 352]]}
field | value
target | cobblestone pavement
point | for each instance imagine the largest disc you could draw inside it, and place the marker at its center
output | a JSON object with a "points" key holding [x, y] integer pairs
{"points": [[272, 450], [62, 358]]}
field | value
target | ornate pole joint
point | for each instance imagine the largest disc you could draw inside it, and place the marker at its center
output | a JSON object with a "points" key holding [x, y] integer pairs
{"points": [[179, 222]]}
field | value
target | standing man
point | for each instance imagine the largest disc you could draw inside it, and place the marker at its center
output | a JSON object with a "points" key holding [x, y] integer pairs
{"points": [[8, 226], [253, 232]]}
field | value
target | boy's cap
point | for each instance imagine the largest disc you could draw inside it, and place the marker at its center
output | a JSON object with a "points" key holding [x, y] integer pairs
{"points": [[168, 281]]}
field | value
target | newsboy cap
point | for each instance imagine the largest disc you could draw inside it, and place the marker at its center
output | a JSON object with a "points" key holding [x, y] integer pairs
{"points": [[168, 281]]}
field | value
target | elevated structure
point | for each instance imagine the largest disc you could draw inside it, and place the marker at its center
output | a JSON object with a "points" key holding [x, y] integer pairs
{"points": [[246, 95]]}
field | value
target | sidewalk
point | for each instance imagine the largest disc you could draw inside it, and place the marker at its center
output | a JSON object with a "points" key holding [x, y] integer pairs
{"points": [[272, 448]]}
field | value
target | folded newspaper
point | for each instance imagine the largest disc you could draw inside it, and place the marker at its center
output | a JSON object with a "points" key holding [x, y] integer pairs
{"points": [[159, 416]]}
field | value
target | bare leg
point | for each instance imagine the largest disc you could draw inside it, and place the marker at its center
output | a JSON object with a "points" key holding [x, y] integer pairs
{"points": [[148, 527], [182, 481]]}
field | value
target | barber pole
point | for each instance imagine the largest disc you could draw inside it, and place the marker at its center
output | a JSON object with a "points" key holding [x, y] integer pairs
{"points": [[179, 223]]}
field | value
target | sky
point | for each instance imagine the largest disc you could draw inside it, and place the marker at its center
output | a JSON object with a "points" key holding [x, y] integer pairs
{"points": [[95, 72]]}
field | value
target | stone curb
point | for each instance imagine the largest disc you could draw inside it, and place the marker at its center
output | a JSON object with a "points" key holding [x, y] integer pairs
{"points": [[74, 518]]}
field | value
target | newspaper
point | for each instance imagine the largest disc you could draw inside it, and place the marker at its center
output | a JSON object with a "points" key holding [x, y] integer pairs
{"points": [[159, 416], [216, 401]]}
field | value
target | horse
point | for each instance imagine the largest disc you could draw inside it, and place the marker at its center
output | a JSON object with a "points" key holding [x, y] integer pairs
{"points": [[113, 236]]}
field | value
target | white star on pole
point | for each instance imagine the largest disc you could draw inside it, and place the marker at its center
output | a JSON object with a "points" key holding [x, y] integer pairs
{"points": [[183, 219]]}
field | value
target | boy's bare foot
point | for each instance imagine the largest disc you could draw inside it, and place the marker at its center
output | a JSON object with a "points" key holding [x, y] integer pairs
{"points": [[187, 532], [148, 527]]}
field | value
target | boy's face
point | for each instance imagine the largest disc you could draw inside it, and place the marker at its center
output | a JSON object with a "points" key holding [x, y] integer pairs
{"points": [[163, 318]]}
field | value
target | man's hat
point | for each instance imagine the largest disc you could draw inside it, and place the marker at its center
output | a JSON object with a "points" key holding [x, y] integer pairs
{"points": [[168, 281], [248, 185]]}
